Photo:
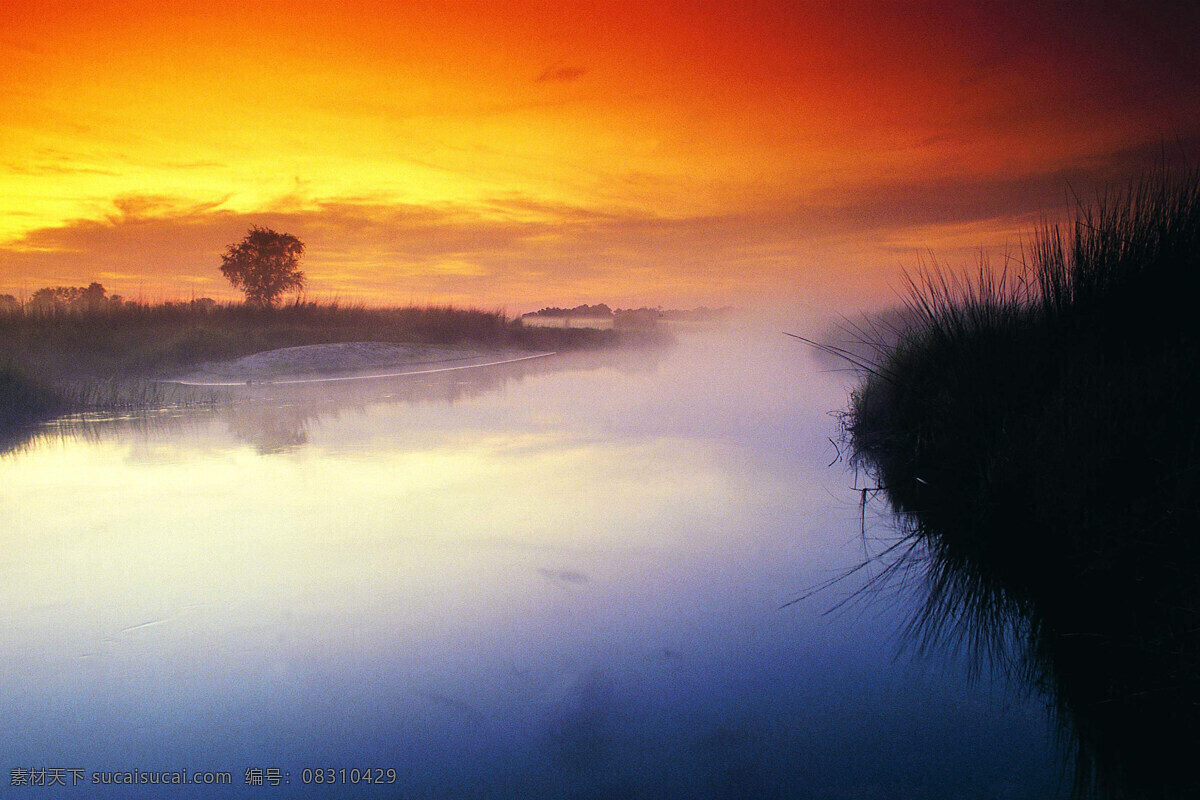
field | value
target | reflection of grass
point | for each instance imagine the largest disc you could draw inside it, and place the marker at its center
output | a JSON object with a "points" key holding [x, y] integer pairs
{"points": [[1040, 435], [95, 358]]}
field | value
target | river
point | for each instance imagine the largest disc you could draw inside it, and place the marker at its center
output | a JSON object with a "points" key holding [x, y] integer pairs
{"points": [[554, 579]]}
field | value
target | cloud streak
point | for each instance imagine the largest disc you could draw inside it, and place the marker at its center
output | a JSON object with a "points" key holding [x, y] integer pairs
{"points": [[561, 73]]}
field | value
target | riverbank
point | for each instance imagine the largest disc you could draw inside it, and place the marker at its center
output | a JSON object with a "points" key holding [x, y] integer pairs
{"points": [[323, 363], [118, 356], [1037, 433]]}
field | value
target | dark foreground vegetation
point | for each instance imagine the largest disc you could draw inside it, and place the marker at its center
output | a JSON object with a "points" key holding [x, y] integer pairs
{"points": [[100, 353], [1039, 434]]}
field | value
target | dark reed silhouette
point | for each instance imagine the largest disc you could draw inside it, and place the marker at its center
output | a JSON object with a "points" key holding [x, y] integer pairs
{"points": [[1038, 433]]}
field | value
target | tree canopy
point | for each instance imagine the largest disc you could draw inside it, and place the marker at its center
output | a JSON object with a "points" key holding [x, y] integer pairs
{"points": [[264, 265], [92, 297]]}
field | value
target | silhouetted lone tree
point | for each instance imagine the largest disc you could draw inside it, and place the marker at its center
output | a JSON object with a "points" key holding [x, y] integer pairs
{"points": [[264, 265]]}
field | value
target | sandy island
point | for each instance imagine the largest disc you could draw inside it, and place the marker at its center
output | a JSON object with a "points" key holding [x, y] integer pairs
{"points": [[347, 361]]}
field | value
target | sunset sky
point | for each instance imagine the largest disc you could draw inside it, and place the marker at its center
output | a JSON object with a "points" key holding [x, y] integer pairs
{"points": [[513, 155]]}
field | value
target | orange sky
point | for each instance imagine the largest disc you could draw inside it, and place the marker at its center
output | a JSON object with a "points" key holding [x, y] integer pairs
{"points": [[521, 154]]}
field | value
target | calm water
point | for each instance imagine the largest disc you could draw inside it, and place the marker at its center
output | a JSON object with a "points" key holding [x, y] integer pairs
{"points": [[556, 579]]}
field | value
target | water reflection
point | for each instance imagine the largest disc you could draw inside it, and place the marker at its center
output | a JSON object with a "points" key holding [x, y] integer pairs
{"points": [[276, 417], [1053, 539], [1111, 638], [557, 581]]}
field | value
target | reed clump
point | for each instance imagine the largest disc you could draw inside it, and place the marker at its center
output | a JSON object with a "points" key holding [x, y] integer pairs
{"points": [[1037, 431]]}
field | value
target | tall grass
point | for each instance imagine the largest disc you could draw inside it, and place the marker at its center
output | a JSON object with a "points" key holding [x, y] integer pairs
{"points": [[1037, 431], [139, 339]]}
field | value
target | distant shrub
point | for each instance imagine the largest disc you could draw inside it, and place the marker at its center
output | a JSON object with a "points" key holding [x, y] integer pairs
{"points": [[73, 299]]}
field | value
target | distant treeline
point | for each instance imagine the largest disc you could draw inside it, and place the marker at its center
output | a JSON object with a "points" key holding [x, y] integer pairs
{"points": [[602, 311], [88, 299]]}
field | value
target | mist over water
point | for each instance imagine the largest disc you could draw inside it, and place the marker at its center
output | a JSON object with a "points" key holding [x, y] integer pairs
{"points": [[559, 578]]}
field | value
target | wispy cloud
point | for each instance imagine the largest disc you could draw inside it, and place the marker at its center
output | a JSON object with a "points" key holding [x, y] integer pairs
{"points": [[561, 72], [52, 169]]}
